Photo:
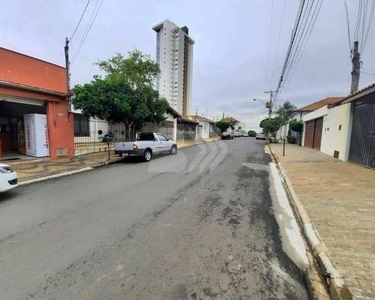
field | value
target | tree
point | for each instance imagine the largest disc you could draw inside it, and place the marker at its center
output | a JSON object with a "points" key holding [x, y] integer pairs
{"points": [[286, 110], [252, 133], [114, 100], [222, 125], [296, 126], [138, 70], [126, 94], [271, 125]]}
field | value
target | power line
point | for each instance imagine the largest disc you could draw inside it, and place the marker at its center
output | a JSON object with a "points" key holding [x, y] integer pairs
{"points": [[371, 74], [80, 20], [269, 40], [89, 26], [302, 4], [278, 39], [347, 22], [369, 24], [304, 41]]}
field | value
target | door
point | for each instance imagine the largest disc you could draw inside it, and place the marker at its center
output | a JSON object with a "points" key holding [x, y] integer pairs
{"points": [[318, 133], [362, 142], [309, 134], [163, 143], [313, 135]]}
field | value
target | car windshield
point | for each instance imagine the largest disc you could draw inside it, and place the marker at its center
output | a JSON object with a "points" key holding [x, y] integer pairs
{"points": [[145, 137]]}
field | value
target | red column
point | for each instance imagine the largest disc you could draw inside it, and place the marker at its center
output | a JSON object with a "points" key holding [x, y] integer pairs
{"points": [[60, 128]]}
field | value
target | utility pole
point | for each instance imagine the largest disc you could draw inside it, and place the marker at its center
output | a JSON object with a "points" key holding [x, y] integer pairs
{"points": [[269, 104], [67, 65], [356, 63]]}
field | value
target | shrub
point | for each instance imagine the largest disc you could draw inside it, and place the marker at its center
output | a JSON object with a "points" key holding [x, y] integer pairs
{"points": [[296, 126], [291, 139], [252, 133], [273, 140]]}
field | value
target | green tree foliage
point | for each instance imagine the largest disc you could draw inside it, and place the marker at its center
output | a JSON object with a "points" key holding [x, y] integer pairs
{"points": [[138, 70], [296, 126], [252, 133], [286, 110], [222, 125], [272, 125], [125, 94], [114, 100]]}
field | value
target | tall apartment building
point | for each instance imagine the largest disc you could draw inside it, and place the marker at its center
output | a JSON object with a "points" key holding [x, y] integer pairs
{"points": [[174, 54]]}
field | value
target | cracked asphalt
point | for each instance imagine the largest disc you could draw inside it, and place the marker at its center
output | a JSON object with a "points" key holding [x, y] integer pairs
{"points": [[197, 225]]}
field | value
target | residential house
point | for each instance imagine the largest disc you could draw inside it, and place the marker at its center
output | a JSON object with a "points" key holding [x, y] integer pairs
{"points": [[206, 127], [299, 115], [237, 125], [344, 127], [186, 129], [360, 138], [34, 116]]}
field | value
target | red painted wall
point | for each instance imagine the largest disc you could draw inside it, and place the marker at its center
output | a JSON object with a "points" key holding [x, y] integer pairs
{"points": [[22, 69], [60, 128]]}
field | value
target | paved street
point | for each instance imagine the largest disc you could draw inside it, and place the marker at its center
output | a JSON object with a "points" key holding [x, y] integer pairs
{"points": [[197, 225]]}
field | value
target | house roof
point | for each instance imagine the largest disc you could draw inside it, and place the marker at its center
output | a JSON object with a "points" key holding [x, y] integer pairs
{"points": [[173, 112], [362, 92], [318, 104], [200, 118], [230, 119], [185, 119]]}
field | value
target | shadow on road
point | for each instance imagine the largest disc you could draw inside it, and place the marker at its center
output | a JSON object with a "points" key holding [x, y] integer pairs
{"points": [[139, 159], [9, 195]]}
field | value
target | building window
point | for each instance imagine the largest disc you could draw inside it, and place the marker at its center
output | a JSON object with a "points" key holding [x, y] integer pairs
{"points": [[81, 125]]}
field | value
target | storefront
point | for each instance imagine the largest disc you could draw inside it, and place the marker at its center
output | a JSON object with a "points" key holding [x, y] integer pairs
{"points": [[34, 117]]}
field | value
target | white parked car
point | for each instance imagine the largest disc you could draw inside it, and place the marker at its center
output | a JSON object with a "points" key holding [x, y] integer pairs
{"points": [[8, 178], [146, 145], [261, 136]]}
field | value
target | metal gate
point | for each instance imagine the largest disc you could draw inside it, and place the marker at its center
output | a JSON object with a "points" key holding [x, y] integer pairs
{"points": [[362, 142], [313, 134]]}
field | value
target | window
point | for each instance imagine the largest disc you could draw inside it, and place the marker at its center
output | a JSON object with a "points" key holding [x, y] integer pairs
{"points": [[81, 125], [147, 136], [162, 138]]}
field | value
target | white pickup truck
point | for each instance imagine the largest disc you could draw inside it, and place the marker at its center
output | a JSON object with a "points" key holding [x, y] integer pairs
{"points": [[146, 145]]}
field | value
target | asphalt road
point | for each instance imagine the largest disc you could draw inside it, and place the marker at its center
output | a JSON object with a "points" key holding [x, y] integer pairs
{"points": [[197, 225]]}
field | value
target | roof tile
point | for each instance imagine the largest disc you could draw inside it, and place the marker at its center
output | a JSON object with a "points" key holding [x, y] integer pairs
{"points": [[318, 104]]}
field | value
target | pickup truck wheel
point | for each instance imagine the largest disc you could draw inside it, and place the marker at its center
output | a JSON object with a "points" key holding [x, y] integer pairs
{"points": [[147, 155], [174, 149]]}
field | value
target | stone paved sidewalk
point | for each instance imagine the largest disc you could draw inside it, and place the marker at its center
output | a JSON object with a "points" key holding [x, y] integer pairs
{"points": [[38, 168], [339, 198]]}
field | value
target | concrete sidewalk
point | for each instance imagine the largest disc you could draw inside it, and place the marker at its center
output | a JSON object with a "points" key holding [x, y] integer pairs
{"points": [[35, 169], [339, 199]]}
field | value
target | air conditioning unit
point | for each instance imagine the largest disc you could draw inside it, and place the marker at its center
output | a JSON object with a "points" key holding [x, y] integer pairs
{"points": [[62, 152]]}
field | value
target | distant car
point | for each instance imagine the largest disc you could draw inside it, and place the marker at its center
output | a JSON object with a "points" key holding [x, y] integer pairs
{"points": [[227, 135], [260, 136], [8, 178], [146, 145], [244, 134], [237, 134]]}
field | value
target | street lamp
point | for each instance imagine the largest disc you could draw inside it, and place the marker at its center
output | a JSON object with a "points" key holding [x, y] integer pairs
{"points": [[260, 100]]}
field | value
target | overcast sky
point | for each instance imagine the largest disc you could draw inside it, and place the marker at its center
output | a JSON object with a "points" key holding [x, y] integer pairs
{"points": [[230, 53]]}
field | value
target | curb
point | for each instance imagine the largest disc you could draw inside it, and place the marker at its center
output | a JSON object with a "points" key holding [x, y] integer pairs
{"points": [[335, 280], [62, 174]]}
